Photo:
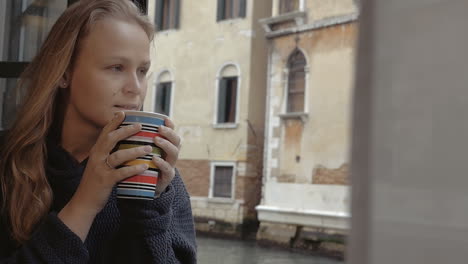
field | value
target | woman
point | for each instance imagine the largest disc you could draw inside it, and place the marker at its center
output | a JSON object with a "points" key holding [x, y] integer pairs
{"points": [[57, 172]]}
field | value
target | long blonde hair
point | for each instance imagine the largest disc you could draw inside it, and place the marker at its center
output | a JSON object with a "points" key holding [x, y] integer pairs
{"points": [[27, 196]]}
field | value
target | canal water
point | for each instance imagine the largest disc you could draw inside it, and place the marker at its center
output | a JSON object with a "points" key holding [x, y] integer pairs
{"points": [[223, 251]]}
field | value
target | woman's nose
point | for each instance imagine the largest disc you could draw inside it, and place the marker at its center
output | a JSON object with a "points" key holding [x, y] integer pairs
{"points": [[133, 84]]}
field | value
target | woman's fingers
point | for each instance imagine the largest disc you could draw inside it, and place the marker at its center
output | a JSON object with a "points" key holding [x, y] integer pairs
{"points": [[114, 123], [166, 176], [163, 165], [168, 122], [129, 171], [170, 135], [122, 133], [119, 157], [111, 134], [172, 152], [170, 142], [109, 140]]}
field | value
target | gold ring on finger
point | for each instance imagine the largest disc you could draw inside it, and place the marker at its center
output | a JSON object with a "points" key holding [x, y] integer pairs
{"points": [[107, 162]]}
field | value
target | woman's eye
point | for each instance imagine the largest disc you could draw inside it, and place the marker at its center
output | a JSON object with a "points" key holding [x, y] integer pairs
{"points": [[143, 71], [117, 68]]}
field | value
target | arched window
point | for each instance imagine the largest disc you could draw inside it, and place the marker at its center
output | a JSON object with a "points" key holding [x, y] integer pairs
{"points": [[163, 93], [227, 95], [296, 82]]}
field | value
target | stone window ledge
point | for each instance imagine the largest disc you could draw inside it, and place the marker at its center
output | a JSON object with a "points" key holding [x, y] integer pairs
{"points": [[225, 126], [296, 115], [217, 200], [166, 32], [298, 17], [221, 200], [231, 20]]}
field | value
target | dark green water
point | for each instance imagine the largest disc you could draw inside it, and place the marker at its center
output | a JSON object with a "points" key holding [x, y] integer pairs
{"points": [[222, 251]]}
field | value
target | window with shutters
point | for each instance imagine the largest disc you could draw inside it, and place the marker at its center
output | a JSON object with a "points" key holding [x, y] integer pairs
{"points": [[222, 180], [287, 6], [229, 9], [296, 82], [167, 14]]}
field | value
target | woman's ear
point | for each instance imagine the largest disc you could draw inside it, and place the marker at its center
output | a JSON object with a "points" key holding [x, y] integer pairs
{"points": [[65, 80]]}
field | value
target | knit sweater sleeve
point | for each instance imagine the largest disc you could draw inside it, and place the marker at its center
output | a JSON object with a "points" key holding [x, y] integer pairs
{"points": [[51, 242], [158, 231]]}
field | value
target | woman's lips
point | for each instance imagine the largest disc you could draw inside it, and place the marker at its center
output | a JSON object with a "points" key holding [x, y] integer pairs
{"points": [[127, 107]]}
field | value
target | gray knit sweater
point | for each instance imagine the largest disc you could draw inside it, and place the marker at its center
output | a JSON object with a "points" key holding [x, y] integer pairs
{"points": [[125, 231]]}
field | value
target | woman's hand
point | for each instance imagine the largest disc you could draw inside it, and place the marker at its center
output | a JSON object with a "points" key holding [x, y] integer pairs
{"points": [[100, 175], [171, 145]]}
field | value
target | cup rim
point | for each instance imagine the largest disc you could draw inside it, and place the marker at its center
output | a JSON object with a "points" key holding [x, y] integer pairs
{"points": [[144, 113]]}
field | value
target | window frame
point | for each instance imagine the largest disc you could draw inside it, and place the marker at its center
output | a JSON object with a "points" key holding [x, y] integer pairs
{"points": [[290, 80], [164, 85], [213, 166], [287, 74], [300, 7], [228, 80], [173, 84], [219, 77], [221, 10], [13, 69], [174, 15], [10, 69], [304, 116]]}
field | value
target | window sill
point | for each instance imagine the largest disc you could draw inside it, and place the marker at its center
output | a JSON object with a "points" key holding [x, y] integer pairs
{"points": [[296, 115], [273, 24], [166, 31], [286, 16], [204, 199], [225, 126], [221, 200], [231, 20]]}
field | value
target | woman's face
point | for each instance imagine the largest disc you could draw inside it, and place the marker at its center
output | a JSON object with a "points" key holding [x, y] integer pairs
{"points": [[109, 74]]}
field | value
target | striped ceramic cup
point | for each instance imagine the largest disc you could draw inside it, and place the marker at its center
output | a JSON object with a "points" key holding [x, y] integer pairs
{"points": [[141, 186]]}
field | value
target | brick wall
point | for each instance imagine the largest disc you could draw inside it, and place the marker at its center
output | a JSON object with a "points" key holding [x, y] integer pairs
{"points": [[322, 175], [196, 176]]}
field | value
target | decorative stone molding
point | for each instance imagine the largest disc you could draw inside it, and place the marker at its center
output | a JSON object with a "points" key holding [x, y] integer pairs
{"points": [[301, 25]]}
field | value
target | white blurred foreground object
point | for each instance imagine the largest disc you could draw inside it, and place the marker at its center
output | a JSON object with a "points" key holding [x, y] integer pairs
{"points": [[409, 183]]}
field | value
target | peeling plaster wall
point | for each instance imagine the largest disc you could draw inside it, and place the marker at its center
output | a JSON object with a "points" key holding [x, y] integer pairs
{"points": [[307, 156], [319, 9], [298, 146]]}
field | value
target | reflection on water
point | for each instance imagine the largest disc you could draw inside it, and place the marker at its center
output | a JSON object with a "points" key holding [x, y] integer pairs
{"points": [[221, 251]]}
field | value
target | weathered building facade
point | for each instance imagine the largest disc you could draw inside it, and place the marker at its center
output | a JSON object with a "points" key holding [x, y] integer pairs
{"points": [[305, 196], [209, 64]]}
